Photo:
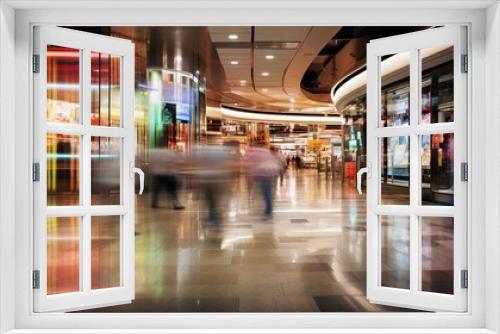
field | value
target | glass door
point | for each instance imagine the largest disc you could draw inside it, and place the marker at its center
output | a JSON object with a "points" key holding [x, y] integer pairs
{"points": [[83, 170], [417, 162]]}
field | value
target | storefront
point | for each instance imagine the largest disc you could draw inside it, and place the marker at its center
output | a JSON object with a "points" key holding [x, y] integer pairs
{"points": [[481, 313]]}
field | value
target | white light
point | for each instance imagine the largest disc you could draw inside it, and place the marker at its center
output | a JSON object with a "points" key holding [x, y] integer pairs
{"points": [[232, 36], [269, 56], [292, 100], [243, 82], [264, 90], [234, 62], [265, 74], [271, 118]]}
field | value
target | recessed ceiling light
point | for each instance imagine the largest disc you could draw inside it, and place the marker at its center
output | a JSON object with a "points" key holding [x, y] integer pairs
{"points": [[265, 74], [232, 36], [264, 90], [269, 56], [234, 62], [243, 82]]}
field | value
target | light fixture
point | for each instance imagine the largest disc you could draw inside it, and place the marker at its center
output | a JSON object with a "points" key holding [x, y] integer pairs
{"points": [[232, 36], [292, 100], [264, 90], [272, 118], [234, 62], [269, 56], [243, 82], [265, 74]]}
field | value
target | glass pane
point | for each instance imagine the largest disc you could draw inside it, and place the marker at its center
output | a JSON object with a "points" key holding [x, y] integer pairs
{"points": [[395, 92], [106, 97], [63, 254], [105, 252], [105, 174], [63, 169], [63, 84], [437, 169], [437, 84], [395, 170], [437, 254], [395, 251]]}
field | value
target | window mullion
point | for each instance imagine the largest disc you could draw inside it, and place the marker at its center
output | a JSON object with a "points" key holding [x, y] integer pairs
{"points": [[414, 171], [86, 171]]}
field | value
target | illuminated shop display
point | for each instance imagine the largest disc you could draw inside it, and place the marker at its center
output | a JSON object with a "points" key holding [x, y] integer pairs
{"points": [[354, 150], [105, 96], [173, 103], [63, 85], [437, 150], [63, 106], [395, 104]]}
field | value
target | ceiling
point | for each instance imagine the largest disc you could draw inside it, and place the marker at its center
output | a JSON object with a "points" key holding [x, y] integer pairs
{"points": [[264, 65], [279, 69]]}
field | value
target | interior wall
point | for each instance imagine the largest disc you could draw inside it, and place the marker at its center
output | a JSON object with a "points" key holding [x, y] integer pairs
{"points": [[492, 170], [7, 174], [22, 217]]}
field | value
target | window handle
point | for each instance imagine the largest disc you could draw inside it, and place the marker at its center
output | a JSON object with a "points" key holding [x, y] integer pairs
{"points": [[360, 173], [136, 170]]}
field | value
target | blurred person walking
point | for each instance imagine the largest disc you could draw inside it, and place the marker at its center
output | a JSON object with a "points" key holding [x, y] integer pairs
{"points": [[282, 160], [263, 166], [164, 166], [215, 167]]}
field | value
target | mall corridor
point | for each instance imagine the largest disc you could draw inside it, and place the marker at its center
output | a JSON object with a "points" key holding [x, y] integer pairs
{"points": [[310, 257], [207, 130]]}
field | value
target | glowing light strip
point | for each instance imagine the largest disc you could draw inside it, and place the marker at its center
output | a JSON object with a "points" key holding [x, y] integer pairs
{"points": [[392, 64], [285, 118]]}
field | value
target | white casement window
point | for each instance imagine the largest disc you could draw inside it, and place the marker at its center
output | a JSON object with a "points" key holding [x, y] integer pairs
{"points": [[89, 154], [405, 221]]}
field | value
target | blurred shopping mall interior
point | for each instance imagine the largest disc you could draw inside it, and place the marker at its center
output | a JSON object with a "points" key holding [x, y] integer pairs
{"points": [[250, 139]]}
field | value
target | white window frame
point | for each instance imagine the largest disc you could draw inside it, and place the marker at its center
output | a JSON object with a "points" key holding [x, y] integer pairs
{"points": [[86, 297], [413, 44], [16, 228]]}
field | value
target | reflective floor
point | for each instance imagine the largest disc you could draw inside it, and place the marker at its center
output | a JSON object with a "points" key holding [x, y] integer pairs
{"points": [[309, 257]]}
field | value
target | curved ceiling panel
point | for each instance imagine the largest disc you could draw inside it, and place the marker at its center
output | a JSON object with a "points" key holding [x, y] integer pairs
{"points": [[256, 61], [317, 38]]}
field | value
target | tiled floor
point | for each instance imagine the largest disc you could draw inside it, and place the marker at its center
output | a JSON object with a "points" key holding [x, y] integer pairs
{"points": [[310, 257]]}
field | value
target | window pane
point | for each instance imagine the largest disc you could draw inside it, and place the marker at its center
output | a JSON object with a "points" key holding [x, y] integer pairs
{"points": [[437, 84], [63, 84], [106, 96], [105, 252], [437, 254], [395, 252], [63, 254], [105, 174], [437, 169], [395, 170], [395, 93], [63, 169]]}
